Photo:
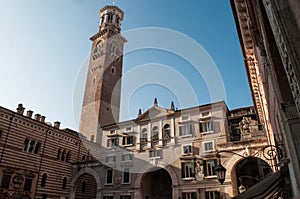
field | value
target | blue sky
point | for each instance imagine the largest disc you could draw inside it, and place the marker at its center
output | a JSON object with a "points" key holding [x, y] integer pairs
{"points": [[44, 43]]}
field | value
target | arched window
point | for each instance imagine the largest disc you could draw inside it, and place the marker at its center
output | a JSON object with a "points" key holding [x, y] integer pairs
{"points": [[63, 155], [64, 183], [31, 146], [83, 187], [166, 133], [143, 139], [44, 180], [58, 154], [26, 144], [68, 156], [154, 135], [37, 148]]}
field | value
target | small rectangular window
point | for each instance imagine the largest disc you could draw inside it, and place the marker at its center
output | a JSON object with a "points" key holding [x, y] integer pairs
{"points": [[112, 142], [5, 180], [186, 130], [27, 184], [128, 128], [127, 157], [189, 195], [110, 159], [208, 146], [204, 114], [212, 195], [126, 175], [185, 117], [109, 176], [155, 154], [187, 149], [128, 140], [188, 169], [209, 167]]}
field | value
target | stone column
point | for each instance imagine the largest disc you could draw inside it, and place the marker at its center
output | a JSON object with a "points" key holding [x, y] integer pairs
{"points": [[172, 129], [149, 135], [160, 134], [98, 196], [137, 138]]}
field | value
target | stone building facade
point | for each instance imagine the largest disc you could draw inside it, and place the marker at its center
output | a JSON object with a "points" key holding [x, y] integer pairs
{"points": [[35, 156], [269, 33], [167, 153]]}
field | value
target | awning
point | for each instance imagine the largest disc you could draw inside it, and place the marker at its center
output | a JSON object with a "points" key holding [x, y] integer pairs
{"points": [[265, 188]]}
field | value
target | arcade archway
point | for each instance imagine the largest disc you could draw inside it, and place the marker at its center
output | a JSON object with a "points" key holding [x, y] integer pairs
{"points": [[156, 184], [250, 171]]}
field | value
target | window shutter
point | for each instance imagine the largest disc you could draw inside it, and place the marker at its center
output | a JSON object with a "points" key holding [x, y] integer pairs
{"points": [[195, 150], [133, 140], [216, 126], [180, 130], [204, 168], [182, 170]]}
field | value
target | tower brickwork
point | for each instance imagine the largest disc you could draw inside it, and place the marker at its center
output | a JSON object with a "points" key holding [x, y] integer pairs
{"points": [[101, 103]]}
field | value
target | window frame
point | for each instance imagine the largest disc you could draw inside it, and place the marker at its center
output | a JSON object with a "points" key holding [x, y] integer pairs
{"points": [[127, 155], [155, 154], [209, 168], [188, 170], [186, 130], [109, 179], [128, 175], [209, 150], [190, 151]]}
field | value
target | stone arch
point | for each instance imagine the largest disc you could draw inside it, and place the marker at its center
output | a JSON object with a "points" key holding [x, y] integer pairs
{"points": [[81, 173], [160, 164], [231, 165]]}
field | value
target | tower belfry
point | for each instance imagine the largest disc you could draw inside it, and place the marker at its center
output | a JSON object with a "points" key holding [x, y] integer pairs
{"points": [[101, 103]]}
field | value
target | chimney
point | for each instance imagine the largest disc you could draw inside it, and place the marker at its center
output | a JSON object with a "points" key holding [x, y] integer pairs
{"points": [[140, 112], [29, 113], [42, 119], [57, 124], [20, 109], [37, 116]]}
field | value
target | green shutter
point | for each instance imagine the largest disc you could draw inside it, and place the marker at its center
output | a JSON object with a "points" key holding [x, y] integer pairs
{"points": [[204, 168]]}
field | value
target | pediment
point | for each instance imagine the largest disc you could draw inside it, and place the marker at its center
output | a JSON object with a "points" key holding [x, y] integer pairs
{"points": [[154, 112]]}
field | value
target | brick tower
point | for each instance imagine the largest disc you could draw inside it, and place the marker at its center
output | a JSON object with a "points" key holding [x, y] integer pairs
{"points": [[101, 103]]}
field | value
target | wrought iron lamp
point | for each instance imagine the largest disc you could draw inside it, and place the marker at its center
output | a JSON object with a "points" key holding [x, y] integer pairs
{"points": [[221, 171], [269, 152]]}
